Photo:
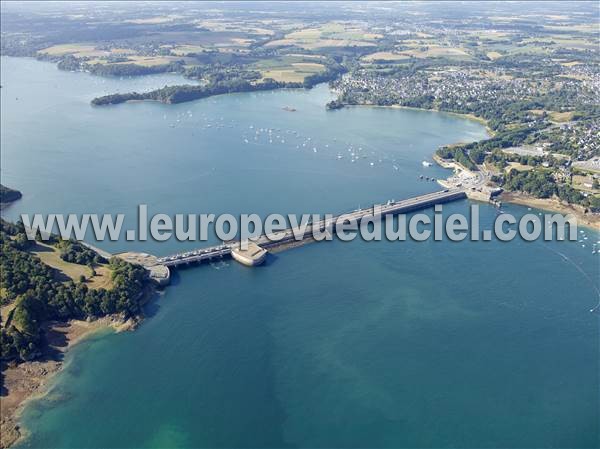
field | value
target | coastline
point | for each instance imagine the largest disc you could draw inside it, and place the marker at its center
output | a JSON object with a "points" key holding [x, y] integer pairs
{"points": [[471, 117], [41, 374], [548, 204], [554, 205], [32, 380]]}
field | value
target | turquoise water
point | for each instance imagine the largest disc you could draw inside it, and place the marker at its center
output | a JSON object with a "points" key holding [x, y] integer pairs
{"points": [[405, 344]]}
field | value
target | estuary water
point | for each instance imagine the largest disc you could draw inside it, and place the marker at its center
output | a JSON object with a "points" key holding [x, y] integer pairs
{"points": [[405, 344]]}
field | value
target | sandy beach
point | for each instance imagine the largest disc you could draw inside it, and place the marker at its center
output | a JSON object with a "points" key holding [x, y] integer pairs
{"points": [[30, 380]]}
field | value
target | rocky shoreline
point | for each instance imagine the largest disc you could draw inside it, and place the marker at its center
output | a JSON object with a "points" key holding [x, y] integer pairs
{"points": [[554, 205], [30, 380]]}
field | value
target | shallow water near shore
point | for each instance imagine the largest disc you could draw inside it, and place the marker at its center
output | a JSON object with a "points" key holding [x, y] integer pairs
{"points": [[406, 344]]}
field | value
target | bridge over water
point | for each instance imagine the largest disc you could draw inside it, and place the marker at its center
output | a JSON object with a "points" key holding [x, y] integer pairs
{"points": [[296, 235]]}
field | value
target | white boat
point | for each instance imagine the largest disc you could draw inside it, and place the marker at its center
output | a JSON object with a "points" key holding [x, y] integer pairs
{"points": [[427, 164]]}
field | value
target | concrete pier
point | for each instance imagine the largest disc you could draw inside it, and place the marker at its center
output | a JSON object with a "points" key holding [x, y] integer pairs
{"points": [[251, 256]]}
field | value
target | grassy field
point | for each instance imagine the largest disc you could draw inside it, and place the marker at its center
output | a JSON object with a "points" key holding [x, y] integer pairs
{"points": [[288, 68], [517, 166], [258, 27], [498, 45], [85, 51], [584, 183], [5, 311], [332, 34], [180, 43], [313, 44], [384, 56], [493, 55], [560, 117], [79, 50], [146, 61], [65, 270], [102, 279], [182, 50], [420, 50], [149, 61], [555, 116], [564, 41], [306, 57], [436, 51], [490, 35], [570, 63]]}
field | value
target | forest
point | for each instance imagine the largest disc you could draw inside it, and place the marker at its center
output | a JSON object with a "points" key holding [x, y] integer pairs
{"points": [[38, 297]]}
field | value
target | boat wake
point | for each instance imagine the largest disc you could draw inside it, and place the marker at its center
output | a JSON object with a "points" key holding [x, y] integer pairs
{"points": [[578, 268]]}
